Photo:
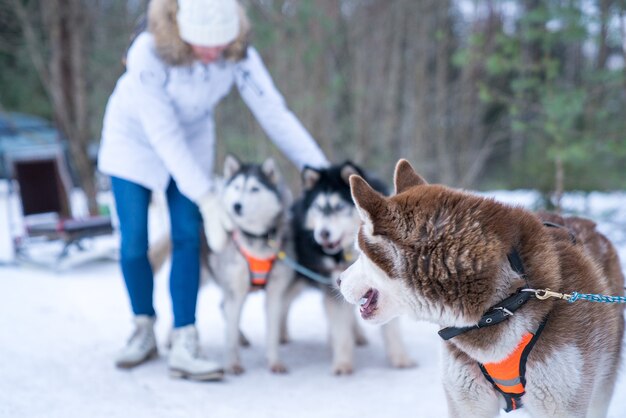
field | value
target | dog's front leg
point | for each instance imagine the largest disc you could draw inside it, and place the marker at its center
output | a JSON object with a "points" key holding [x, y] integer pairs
{"points": [[396, 350], [233, 304], [340, 316], [468, 393], [275, 293], [293, 291]]}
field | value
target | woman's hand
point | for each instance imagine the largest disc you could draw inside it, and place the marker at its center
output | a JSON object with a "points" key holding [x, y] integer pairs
{"points": [[217, 223]]}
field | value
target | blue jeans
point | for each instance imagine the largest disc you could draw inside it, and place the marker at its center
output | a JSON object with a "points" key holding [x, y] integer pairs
{"points": [[132, 201]]}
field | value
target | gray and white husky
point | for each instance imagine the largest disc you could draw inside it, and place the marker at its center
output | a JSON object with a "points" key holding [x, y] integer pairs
{"points": [[325, 223], [258, 201]]}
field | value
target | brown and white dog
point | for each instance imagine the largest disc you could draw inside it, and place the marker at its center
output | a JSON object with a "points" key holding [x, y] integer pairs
{"points": [[442, 255]]}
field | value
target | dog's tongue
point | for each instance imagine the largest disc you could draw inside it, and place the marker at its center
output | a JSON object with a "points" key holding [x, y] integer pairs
{"points": [[368, 298]]}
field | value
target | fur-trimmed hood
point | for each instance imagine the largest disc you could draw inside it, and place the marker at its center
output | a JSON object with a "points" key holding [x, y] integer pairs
{"points": [[172, 49]]}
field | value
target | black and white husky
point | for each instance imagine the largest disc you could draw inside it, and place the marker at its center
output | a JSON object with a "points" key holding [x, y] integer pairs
{"points": [[258, 201], [325, 222]]}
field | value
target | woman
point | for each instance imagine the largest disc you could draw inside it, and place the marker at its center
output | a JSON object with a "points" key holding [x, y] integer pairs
{"points": [[159, 134]]}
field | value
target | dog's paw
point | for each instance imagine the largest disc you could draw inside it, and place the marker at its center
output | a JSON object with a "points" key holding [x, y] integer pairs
{"points": [[342, 369], [402, 362], [236, 369], [278, 368]]}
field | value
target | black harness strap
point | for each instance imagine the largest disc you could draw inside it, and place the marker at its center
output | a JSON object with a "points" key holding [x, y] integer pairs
{"points": [[502, 310], [269, 235], [499, 313]]}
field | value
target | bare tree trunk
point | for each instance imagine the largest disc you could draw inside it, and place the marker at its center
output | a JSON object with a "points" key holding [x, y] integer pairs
{"points": [[446, 165], [408, 145], [603, 48], [77, 85], [66, 29], [622, 21], [559, 183], [392, 94], [423, 137], [64, 76]]}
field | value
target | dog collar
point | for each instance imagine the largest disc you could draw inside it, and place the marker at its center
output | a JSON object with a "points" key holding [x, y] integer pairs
{"points": [[500, 311], [267, 236]]}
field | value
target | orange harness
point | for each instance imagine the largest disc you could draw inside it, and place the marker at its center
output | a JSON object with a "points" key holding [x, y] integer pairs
{"points": [[509, 376], [259, 268]]}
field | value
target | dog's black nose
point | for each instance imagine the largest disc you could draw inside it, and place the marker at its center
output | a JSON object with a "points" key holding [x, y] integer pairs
{"points": [[237, 208], [325, 234], [338, 281]]}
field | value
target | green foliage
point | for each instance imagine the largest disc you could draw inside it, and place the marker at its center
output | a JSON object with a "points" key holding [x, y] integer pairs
{"points": [[20, 88], [557, 101], [536, 86]]}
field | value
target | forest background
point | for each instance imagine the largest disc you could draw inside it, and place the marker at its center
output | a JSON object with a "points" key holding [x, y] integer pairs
{"points": [[483, 94]]}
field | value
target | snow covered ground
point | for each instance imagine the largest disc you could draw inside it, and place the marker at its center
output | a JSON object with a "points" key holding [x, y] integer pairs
{"points": [[59, 332]]}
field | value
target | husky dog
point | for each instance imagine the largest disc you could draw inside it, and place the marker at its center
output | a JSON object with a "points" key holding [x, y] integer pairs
{"points": [[481, 269], [325, 224], [258, 202]]}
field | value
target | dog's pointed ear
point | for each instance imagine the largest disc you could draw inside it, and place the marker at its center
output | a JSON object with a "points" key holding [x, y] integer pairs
{"points": [[310, 177], [231, 166], [347, 170], [368, 201], [405, 177], [270, 169]]}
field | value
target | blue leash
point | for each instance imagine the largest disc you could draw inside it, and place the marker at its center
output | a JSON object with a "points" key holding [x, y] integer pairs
{"points": [[591, 297], [543, 294], [303, 270]]}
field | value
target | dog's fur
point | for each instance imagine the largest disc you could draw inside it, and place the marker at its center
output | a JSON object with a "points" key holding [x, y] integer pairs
{"points": [[258, 201], [440, 255], [325, 223]]}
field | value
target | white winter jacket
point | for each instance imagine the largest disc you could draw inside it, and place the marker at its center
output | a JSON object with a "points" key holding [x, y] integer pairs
{"points": [[159, 120]]}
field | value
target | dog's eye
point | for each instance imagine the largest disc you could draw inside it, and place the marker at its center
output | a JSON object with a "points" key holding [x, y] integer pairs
{"points": [[339, 206], [254, 189]]}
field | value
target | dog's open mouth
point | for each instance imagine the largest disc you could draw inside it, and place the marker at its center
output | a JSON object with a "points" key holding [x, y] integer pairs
{"points": [[367, 303], [332, 247]]}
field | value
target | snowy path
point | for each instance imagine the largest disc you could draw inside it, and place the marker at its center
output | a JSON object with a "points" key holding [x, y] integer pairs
{"points": [[59, 333]]}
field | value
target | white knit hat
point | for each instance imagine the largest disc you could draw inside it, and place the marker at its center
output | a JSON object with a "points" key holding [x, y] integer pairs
{"points": [[208, 22]]}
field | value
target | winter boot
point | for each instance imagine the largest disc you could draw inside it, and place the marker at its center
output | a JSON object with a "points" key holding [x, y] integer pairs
{"points": [[185, 361], [141, 345]]}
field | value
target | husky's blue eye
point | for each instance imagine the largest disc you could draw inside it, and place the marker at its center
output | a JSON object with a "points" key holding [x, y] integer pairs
{"points": [[254, 189], [339, 206]]}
